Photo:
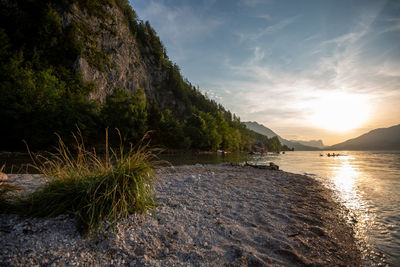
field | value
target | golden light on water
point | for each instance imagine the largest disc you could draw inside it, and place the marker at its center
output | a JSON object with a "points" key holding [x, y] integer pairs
{"points": [[340, 111], [345, 177]]}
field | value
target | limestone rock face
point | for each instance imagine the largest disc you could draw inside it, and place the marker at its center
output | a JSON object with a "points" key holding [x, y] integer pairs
{"points": [[111, 57]]}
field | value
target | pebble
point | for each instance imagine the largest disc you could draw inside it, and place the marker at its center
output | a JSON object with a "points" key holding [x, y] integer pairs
{"points": [[166, 251]]}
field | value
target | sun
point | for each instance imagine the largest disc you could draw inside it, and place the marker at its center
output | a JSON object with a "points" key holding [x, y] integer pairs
{"points": [[340, 111]]}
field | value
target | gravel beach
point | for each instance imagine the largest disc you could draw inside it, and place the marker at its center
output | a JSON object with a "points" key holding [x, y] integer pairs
{"points": [[207, 216]]}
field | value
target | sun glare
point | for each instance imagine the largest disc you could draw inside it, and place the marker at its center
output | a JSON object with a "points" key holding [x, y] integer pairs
{"points": [[340, 112]]}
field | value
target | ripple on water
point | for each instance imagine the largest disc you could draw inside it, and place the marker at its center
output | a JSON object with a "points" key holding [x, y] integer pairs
{"points": [[367, 184]]}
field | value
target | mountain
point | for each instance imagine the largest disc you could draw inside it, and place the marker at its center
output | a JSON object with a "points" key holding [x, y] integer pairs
{"points": [[261, 129], [378, 139], [93, 64], [313, 143]]}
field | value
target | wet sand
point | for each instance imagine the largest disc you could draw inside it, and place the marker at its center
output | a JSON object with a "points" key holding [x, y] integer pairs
{"points": [[207, 216]]}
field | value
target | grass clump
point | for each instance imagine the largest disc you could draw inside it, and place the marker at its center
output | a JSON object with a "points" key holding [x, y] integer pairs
{"points": [[94, 188]]}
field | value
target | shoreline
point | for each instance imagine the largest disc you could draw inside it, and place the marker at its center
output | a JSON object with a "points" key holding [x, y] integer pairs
{"points": [[207, 215]]}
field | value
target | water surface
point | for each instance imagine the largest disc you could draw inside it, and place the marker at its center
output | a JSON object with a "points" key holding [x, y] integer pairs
{"points": [[368, 184]]}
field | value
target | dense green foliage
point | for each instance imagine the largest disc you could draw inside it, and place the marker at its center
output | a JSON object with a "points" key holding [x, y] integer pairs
{"points": [[42, 93], [127, 112]]}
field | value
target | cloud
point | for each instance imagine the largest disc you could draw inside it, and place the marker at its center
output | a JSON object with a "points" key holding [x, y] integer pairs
{"points": [[395, 25], [266, 95], [258, 54], [276, 27], [311, 38], [255, 37], [346, 39], [347, 64], [264, 16], [211, 94], [208, 3], [182, 23], [254, 3], [390, 68], [180, 26]]}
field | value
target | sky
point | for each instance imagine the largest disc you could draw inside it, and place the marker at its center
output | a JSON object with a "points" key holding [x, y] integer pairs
{"points": [[312, 69]]}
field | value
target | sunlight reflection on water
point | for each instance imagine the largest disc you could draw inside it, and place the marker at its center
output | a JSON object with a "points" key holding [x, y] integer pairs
{"points": [[344, 178], [367, 184]]}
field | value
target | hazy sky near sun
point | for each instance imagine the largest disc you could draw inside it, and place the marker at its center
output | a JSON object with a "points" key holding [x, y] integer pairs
{"points": [[312, 69]]}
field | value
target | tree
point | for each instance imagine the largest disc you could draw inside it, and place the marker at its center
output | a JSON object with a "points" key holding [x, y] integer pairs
{"points": [[127, 112], [195, 128], [171, 132], [214, 138], [274, 144], [154, 117]]}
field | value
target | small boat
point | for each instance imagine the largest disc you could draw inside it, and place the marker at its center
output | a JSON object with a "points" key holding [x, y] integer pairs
{"points": [[332, 155]]}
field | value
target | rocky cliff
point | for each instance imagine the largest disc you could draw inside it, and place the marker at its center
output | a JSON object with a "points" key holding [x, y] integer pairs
{"points": [[111, 56]]}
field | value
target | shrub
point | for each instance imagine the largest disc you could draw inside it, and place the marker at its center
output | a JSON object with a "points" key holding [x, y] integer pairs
{"points": [[92, 187]]}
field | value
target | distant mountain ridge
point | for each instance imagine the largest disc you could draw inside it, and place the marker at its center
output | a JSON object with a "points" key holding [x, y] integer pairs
{"points": [[261, 129], [313, 143], [378, 139]]}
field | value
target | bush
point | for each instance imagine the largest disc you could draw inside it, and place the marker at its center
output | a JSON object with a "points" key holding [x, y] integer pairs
{"points": [[91, 187]]}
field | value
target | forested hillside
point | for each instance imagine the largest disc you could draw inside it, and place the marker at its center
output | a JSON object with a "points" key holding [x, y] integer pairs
{"points": [[261, 129], [378, 139], [92, 64]]}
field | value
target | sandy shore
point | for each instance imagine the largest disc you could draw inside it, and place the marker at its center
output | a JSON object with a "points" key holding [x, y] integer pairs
{"points": [[207, 216]]}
